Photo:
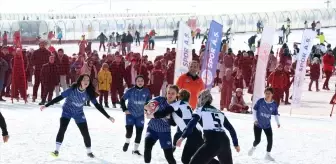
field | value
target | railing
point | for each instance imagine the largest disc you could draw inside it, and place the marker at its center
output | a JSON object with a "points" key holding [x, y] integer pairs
{"points": [[163, 24]]}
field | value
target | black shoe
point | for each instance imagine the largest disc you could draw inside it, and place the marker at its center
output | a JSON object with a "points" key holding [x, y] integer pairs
{"points": [[125, 147], [136, 152], [42, 103], [90, 155], [55, 153], [114, 106], [106, 105]]}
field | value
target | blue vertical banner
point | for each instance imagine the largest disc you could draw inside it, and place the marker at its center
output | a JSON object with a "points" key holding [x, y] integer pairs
{"points": [[210, 58]]}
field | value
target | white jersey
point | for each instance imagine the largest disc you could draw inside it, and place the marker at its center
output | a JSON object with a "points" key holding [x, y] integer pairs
{"points": [[185, 112], [212, 118]]}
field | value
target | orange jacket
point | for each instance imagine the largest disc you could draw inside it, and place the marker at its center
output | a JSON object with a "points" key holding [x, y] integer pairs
{"points": [[192, 84]]}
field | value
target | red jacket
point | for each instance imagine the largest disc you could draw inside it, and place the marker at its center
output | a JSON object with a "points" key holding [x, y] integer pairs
{"points": [[128, 75], [40, 57], [118, 74], [63, 64], [50, 74], [315, 71], [328, 62], [278, 79], [228, 61]]}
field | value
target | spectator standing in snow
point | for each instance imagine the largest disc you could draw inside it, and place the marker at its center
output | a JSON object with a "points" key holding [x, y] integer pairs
{"points": [[102, 39], [137, 37], [39, 58], [3, 70], [129, 39], [49, 79], [63, 63], [318, 27]]}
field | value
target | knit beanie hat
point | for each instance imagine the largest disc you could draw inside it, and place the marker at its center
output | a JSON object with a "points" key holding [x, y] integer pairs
{"points": [[204, 97]]}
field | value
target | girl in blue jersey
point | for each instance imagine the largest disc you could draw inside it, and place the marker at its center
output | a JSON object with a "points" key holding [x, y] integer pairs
{"points": [[182, 116], [214, 122], [159, 111], [75, 98], [137, 97], [262, 111]]}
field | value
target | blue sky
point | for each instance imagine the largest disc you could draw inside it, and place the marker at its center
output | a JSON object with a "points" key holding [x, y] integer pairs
{"points": [[167, 6]]}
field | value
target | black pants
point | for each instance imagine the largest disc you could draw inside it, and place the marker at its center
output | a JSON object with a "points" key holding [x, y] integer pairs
{"points": [[149, 143], [216, 144], [59, 41], [193, 40], [129, 133], [257, 137], [205, 38], [64, 122], [193, 143], [198, 36], [174, 40], [102, 44], [280, 40], [137, 40]]}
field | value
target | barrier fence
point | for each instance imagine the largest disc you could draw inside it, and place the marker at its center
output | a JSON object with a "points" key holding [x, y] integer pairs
{"points": [[163, 24]]}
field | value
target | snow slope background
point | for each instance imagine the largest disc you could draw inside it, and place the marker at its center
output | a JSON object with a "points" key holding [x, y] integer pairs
{"points": [[308, 136]]}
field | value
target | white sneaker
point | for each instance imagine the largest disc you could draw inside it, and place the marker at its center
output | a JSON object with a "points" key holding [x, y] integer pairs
{"points": [[251, 151], [269, 157]]}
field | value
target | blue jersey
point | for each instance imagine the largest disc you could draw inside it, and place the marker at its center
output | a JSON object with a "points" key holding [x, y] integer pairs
{"points": [[264, 110], [75, 100], [137, 97], [160, 124]]}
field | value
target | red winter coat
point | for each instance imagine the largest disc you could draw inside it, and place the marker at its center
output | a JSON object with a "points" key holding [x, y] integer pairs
{"points": [[228, 61], [50, 74], [226, 92], [170, 73], [63, 64], [128, 75], [278, 79], [18, 77], [328, 62], [39, 58], [118, 74], [315, 71], [157, 81]]}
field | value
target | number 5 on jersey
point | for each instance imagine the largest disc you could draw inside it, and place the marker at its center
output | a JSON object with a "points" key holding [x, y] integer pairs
{"points": [[217, 120]]}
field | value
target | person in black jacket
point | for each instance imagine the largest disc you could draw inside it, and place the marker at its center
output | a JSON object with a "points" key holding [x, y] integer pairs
{"points": [[123, 43], [175, 36], [102, 38], [3, 127], [137, 37], [251, 40], [129, 41]]}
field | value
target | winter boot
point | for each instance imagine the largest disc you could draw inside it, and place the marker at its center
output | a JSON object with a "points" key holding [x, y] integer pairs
{"points": [[114, 105]]}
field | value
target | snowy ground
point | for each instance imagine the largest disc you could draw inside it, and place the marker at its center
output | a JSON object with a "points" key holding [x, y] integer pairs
{"points": [[308, 136]]}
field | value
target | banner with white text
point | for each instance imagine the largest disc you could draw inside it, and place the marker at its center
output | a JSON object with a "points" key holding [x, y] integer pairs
{"points": [[183, 53], [267, 39], [300, 71], [210, 59]]}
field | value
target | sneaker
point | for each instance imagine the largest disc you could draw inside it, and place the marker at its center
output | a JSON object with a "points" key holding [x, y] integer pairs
{"points": [[269, 157], [136, 152], [90, 155], [54, 153], [251, 151], [125, 147]]}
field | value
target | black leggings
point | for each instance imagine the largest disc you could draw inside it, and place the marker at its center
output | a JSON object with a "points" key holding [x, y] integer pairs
{"points": [[64, 122], [129, 133], [216, 144], [193, 143], [149, 143], [257, 137]]}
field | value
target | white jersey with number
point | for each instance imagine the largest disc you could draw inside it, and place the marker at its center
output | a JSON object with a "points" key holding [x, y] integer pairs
{"points": [[212, 118]]}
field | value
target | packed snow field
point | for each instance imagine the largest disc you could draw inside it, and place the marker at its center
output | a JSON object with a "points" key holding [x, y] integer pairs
{"points": [[308, 136]]}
